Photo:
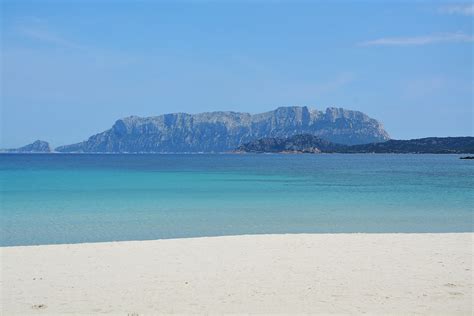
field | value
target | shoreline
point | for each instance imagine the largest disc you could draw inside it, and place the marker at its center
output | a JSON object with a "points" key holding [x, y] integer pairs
{"points": [[407, 273], [227, 236], [233, 153]]}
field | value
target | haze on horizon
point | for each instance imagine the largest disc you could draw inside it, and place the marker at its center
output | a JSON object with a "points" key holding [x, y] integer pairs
{"points": [[69, 70]]}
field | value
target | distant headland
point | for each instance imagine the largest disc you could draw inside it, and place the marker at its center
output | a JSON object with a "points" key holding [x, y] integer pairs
{"points": [[312, 144]]}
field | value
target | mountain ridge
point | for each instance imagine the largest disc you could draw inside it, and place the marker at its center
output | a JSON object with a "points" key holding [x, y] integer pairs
{"points": [[223, 131]]}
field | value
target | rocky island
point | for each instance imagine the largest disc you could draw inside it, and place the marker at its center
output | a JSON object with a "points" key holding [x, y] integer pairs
{"points": [[284, 130], [38, 146], [224, 131]]}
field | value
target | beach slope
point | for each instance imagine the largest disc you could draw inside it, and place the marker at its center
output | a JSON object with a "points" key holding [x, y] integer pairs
{"points": [[302, 273]]}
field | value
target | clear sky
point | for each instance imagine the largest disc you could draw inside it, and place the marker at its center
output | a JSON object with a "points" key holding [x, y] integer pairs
{"points": [[71, 68]]}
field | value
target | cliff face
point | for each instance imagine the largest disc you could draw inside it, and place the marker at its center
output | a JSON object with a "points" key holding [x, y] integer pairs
{"points": [[224, 131]]}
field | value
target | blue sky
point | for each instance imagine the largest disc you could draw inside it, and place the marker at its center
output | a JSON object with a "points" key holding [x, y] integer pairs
{"points": [[71, 68]]}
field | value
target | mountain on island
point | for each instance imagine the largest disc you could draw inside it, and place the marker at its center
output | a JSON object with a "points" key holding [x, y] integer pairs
{"points": [[38, 146], [313, 144], [224, 131]]}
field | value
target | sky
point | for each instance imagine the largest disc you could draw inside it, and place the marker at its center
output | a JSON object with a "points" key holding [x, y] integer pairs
{"points": [[70, 69]]}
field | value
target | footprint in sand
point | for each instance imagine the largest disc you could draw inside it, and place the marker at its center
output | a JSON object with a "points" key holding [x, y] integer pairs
{"points": [[39, 306], [450, 285]]}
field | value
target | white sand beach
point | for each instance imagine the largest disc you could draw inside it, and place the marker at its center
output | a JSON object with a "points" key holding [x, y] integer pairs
{"points": [[303, 273]]}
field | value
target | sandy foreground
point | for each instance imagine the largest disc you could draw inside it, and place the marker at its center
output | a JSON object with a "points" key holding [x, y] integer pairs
{"points": [[304, 273]]}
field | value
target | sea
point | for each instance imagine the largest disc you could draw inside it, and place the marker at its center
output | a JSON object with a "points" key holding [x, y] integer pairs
{"points": [[78, 198]]}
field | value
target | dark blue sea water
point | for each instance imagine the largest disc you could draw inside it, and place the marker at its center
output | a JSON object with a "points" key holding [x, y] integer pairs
{"points": [[55, 198]]}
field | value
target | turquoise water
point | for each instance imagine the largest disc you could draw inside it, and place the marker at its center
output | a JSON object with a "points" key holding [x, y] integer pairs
{"points": [[47, 199]]}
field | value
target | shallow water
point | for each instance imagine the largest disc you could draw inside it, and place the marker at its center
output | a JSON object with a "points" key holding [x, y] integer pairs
{"points": [[61, 198]]}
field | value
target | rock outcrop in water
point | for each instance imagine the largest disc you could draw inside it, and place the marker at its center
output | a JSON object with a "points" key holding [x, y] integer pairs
{"points": [[224, 131], [38, 146], [312, 144]]}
